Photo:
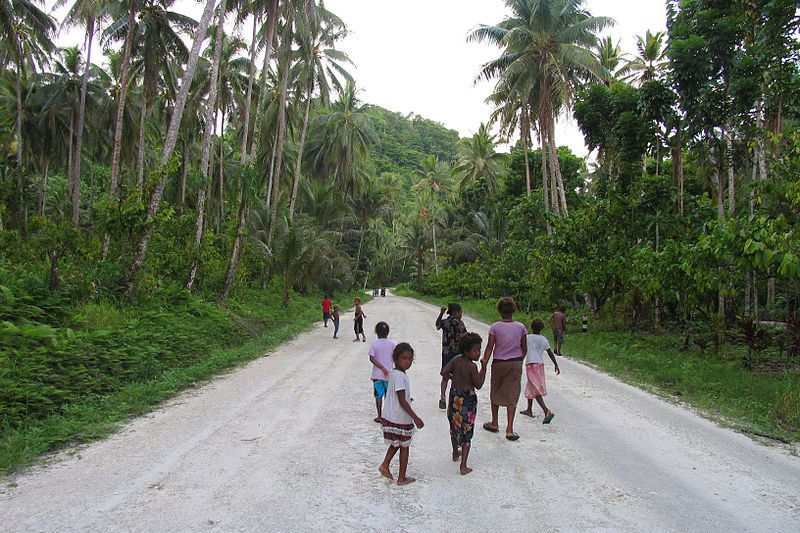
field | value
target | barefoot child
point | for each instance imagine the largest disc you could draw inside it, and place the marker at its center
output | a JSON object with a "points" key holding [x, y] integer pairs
{"points": [[559, 325], [508, 343], [380, 355], [359, 320], [326, 309], [534, 369], [452, 328], [399, 418], [335, 318], [463, 403]]}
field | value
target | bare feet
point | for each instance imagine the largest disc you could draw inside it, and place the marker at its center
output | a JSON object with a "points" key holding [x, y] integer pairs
{"points": [[465, 470], [456, 455], [378, 419], [405, 480], [527, 412], [384, 470]]}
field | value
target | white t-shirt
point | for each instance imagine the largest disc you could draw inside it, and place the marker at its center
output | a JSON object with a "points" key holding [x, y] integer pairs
{"points": [[537, 345], [392, 410], [382, 350]]}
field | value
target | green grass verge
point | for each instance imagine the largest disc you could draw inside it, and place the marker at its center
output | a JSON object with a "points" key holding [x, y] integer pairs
{"points": [[760, 403], [186, 348]]}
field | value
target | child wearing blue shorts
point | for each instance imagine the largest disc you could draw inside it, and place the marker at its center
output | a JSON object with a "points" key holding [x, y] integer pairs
{"points": [[380, 355]]}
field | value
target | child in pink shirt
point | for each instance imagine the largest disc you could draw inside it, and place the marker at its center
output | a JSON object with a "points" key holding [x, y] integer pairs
{"points": [[380, 355]]}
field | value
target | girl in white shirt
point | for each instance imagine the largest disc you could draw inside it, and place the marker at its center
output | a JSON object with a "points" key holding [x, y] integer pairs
{"points": [[536, 388], [399, 418]]}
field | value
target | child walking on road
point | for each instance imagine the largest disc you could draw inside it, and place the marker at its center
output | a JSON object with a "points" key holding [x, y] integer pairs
{"points": [[534, 369], [399, 418], [509, 344], [452, 328], [335, 318], [326, 309], [380, 355], [359, 321], [463, 403], [559, 328]]}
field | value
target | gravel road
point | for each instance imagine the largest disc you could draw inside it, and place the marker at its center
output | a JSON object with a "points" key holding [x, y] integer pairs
{"points": [[287, 443]]}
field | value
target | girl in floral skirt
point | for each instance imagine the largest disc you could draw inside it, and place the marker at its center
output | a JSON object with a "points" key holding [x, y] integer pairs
{"points": [[463, 403]]}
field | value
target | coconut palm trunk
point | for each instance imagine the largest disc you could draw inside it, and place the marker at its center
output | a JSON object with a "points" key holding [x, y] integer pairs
{"points": [[272, 19], [140, 153], [169, 147], [250, 80], [230, 277], [525, 132], [205, 157], [123, 93], [276, 187], [555, 167], [299, 161], [76, 191]]}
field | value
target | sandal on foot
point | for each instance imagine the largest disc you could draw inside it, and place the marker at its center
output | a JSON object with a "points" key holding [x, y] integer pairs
{"points": [[489, 428], [527, 413], [513, 436], [548, 418]]}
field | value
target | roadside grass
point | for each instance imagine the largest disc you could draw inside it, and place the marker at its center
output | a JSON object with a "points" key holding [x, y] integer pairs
{"points": [[166, 349], [765, 404]]}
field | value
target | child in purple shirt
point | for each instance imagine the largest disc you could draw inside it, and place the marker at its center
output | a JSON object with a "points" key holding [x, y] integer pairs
{"points": [[509, 344]]}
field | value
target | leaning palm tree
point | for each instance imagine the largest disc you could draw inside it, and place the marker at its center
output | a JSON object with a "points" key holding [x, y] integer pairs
{"points": [[651, 58], [478, 160], [546, 53]]}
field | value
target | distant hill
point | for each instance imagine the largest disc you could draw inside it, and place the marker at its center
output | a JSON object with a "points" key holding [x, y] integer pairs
{"points": [[405, 140]]}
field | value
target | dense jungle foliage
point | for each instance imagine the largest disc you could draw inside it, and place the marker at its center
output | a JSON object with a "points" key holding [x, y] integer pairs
{"points": [[192, 174]]}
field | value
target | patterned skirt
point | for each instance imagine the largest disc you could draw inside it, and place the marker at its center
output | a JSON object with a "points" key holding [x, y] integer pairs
{"points": [[461, 411], [397, 434]]}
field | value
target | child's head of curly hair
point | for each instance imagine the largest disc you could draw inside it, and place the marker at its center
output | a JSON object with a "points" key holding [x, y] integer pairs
{"points": [[400, 349], [506, 306], [468, 341], [537, 325], [382, 330]]}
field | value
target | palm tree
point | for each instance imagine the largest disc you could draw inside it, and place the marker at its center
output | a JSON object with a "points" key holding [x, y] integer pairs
{"points": [[433, 180], [613, 60], [651, 58], [416, 242], [320, 66], [28, 31], [546, 53], [341, 139], [370, 202], [478, 160]]}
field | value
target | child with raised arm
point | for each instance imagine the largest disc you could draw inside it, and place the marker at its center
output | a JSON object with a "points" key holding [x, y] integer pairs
{"points": [[358, 326], [380, 355], [534, 369], [463, 403], [452, 328], [399, 418], [508, 343]]}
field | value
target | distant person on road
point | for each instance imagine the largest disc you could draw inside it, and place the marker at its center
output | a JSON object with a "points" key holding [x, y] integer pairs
{"points": [[536, 388], [462, 406], [508, 343], [335, 317], [326, 309], [399, 418], [452, 328], [358, 327], [559, 328], [380, 355]]}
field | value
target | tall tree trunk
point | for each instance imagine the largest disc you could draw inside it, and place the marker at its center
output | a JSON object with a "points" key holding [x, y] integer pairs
{"points": [[556, 167], [525, 132], [420, 268], [276, 193], [140, 154], [360, 246], [221, 163], [272, 18], [435, 249], [731, 172], [76, 193], [677, 167], [184, 172], [18, 90], [250, 80], [43, 200], [70, 155], [545, 191], [271, 179], [230, 277], [123, 93], [299, 161], [206, 151], [555, 204], [169, 146]]}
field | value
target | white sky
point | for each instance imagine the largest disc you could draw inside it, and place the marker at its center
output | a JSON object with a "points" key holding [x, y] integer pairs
{"points": [[412, 55]]}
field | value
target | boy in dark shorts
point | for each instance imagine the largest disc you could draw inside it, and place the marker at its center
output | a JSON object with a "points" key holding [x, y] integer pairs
{"points": [[452, 328], [559, 325]]}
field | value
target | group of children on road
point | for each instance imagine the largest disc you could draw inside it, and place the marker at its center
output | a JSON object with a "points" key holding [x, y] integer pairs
{"points": [[509, 347]]}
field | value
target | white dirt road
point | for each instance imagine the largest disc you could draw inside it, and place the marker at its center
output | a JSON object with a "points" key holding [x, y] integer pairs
{"points": [[287, 443]]}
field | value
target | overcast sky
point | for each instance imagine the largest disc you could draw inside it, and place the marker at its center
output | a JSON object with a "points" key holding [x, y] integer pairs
{"points": [[412, 55]]}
